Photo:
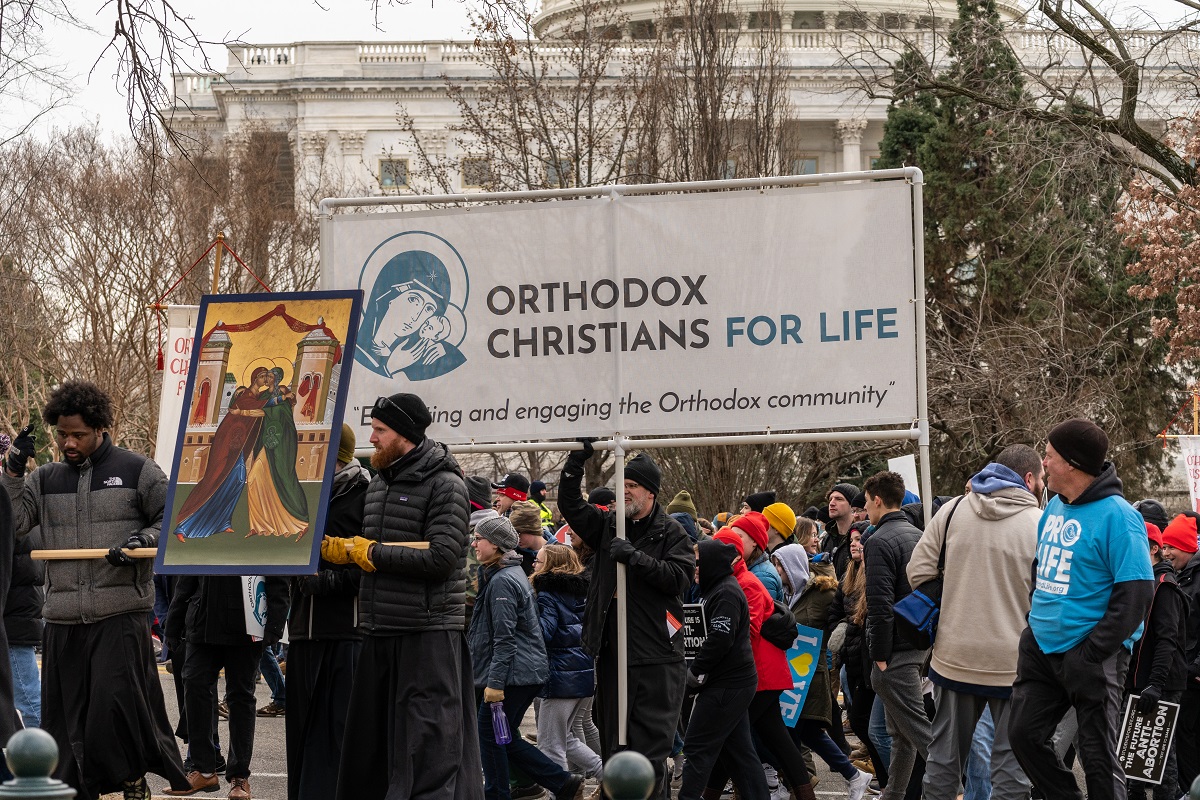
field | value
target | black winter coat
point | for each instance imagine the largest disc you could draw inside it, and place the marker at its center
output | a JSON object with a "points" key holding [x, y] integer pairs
{"points": [[325, 605], [209, 610], [1189, 582], [885, 556], [561, 600], [421, 497], [1158, 657], [726, 658], [656, 583], [852, 655], [23, 606]]}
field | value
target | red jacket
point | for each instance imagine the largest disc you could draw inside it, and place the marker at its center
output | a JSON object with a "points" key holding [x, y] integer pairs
{"points": [[771, 662]]}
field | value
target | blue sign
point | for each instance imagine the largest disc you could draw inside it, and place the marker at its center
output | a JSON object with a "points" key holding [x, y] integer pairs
{"points": [[802, 661]]}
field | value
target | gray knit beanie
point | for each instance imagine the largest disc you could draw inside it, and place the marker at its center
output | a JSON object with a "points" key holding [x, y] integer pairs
{"points": [[499, 531]]}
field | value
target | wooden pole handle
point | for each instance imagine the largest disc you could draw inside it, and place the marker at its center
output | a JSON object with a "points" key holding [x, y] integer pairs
{"points": [[84, 553]]}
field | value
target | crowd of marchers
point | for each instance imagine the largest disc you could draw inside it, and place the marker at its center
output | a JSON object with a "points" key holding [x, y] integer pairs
{"points": [[411, 669]]}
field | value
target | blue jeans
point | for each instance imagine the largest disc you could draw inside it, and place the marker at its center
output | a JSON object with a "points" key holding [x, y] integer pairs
{"points": [[878, 732], [496, 757], [27, 684], [978, 785], [269, 667]]}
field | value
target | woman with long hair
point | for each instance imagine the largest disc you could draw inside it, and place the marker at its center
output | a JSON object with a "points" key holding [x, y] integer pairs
{"points": [[848, 612], [561, 598]]}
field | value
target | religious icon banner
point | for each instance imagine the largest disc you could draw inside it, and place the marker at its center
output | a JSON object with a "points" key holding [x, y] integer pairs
{"points": [[258, 437]]}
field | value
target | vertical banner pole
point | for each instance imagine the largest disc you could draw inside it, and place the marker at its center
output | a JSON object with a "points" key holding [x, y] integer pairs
{"points": [[1195, 409], [622, 601], [216, 284], [918, 184]]}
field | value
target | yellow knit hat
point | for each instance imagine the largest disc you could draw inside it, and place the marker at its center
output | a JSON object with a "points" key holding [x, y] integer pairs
{"points": [[782, 518]]}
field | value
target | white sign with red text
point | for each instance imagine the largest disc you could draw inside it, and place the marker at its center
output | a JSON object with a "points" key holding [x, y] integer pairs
{"points": [[177, 354]]}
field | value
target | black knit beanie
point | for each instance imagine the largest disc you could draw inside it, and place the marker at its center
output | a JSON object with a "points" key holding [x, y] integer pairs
{"points": [[1081, 443], [404, 413], [642, 470]]}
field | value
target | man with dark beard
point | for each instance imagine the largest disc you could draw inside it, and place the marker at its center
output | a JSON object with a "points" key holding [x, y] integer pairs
{"points": [[412, 708], [658, 555], [101, 697]]}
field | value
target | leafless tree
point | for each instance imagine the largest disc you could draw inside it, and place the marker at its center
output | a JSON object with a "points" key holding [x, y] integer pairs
{"points": [[92, 240], [1084, 68]]}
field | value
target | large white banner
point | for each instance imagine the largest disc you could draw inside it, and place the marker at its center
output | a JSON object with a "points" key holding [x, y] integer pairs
{"points": [[1191, 462], [177, 354], [700, 313]]}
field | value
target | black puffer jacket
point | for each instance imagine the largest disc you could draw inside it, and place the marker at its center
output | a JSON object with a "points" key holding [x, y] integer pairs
{"points": [[1189, 581], [23, 607], [1158, 656], [325, 605], [209, 609], [421, 497], [656, 584], [885, 556]]}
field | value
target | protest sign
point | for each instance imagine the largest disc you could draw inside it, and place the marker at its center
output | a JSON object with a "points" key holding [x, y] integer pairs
{"points": [[1191, 464], [1146, 740], [803, 661], [694, 629], [177, 355]]}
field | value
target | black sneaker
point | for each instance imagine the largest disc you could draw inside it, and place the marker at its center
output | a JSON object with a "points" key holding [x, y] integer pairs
{"points": [[530, 792], [572, 789]]}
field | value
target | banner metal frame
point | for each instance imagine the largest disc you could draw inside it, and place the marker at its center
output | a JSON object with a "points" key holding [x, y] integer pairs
{"points": [[918, 431]]}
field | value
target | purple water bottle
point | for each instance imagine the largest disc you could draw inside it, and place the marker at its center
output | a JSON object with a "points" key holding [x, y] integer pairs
{"points": [[500, 724]]}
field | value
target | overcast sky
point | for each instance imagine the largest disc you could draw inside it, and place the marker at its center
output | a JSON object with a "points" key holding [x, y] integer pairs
{"points": [[95, 97]]}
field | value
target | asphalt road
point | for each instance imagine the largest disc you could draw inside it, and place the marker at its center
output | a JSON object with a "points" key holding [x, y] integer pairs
{"points": [[268, 780]]}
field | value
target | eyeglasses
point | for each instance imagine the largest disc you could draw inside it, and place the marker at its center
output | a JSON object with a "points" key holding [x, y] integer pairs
{"points": [[384, 402]]}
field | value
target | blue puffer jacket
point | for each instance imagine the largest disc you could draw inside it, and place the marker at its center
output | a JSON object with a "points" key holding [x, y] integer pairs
{"points": [[505, 639], [560, 601]]}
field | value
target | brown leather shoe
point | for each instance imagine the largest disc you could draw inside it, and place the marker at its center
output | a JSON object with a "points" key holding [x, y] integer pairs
{"points": [[196, 783], [239, 789]]}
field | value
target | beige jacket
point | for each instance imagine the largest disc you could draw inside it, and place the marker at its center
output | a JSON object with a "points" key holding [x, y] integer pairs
{"points": [[989, 556]]}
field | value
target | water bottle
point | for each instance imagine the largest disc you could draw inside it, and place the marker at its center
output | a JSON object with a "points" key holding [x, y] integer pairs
{"points": [[500, 728]]}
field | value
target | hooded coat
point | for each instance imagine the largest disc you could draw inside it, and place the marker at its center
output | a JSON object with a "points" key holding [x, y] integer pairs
{"points": [[769, 660], [561, 600], [811, 608], [420, 497], [726, 658], [990, 547]]}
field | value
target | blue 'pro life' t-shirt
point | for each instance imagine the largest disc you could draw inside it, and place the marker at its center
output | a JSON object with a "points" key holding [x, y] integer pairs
{"points": [[1082, 551]]}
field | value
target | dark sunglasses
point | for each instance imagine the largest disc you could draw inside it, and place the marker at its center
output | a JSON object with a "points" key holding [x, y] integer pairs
{"points": [[383, 402]]}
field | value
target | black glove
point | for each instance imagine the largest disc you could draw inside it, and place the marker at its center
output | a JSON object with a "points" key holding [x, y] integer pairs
{"points": [[623, 550], [1194, 671], [23, 448], [119, 558], [575, 461], [693, 683], [1148, 702]]}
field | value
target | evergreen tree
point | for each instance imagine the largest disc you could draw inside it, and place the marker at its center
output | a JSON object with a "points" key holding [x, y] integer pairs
{"points": [[1029, 319]]}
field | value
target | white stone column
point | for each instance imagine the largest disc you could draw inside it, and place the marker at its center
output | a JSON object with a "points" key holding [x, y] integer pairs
{"points": [[850, 132], [354, 175]]}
